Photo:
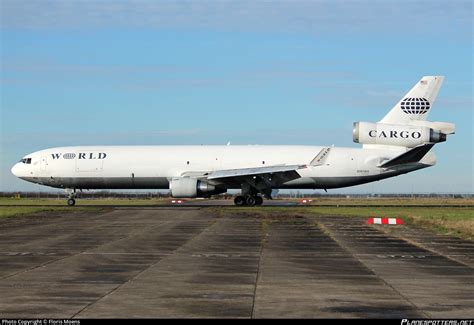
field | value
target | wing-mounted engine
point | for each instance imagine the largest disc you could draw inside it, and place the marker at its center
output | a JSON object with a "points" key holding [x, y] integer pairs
{"points": [[188, 187], [407, 135]]}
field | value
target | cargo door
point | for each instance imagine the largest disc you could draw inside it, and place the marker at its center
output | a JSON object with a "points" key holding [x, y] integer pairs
{"points": [[89, 162]]}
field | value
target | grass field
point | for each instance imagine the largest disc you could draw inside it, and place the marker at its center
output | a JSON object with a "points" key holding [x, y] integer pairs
{"points": [[79, 202], [16, 207], [391, 201], [11, 211]]}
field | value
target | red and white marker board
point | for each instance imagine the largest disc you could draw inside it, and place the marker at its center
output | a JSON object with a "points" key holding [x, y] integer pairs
{"points": [[385, 221]]}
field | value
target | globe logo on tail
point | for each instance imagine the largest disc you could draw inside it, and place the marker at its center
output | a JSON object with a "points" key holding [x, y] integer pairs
{"points": [[416, 106]]}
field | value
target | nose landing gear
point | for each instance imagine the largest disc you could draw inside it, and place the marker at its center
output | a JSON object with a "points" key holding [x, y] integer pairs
{"points": [[71, 196]]}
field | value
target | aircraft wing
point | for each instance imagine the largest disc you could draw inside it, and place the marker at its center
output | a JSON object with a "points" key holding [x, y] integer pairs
{"points": [[411, 156], [263, 179], [289, 170]]}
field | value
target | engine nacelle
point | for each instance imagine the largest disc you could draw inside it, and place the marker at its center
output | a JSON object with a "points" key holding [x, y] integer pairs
{"points": [[188, 187], [395, 135]]}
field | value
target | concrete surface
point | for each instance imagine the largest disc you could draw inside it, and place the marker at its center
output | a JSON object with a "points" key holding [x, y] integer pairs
{"points": [[196, 262]]}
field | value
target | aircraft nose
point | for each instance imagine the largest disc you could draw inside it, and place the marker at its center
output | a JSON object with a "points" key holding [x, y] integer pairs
{"points": [[15, 170]]}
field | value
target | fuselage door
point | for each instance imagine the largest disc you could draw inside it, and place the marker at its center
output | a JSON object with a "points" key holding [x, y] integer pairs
{"points": [[43, 163]]}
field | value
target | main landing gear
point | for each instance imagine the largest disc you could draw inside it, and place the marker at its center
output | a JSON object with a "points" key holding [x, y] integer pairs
{"points": [[249, 200]]}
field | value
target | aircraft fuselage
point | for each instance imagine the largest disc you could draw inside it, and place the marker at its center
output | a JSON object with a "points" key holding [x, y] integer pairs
{"points": [[152, 167]]}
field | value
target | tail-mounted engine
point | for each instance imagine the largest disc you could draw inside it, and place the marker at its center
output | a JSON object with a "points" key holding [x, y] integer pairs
{"points": [[396, 135], [188, 187]]}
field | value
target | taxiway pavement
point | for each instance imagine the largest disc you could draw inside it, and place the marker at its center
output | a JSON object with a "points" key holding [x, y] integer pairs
{"points": [[199, 262]]}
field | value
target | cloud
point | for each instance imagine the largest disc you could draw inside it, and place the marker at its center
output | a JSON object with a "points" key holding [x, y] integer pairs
{"points": [[155, 77], [245, 15], [456, 103], [50, 66], [178, 136]]}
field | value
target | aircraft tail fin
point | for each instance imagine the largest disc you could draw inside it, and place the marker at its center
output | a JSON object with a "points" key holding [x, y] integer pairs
{"points": [[417, 103]]}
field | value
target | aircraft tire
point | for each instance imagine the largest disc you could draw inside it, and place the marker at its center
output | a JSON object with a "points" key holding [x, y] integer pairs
{"points": [[239, 200], [71, 202], [251, 200]]}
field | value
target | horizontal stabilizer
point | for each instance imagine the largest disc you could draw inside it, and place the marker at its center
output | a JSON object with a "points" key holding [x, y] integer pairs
{"points": [[411, 156], [444, 127]]}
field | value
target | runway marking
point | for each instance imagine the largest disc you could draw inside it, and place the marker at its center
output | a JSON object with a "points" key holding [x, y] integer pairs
{"points": [[399, 256]]}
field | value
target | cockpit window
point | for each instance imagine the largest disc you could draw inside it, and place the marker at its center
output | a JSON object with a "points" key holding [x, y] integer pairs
{"points": [[25, 161]]}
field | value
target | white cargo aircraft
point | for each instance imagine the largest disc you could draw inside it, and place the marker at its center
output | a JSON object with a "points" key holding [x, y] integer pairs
{"points": [[399, 143]]}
